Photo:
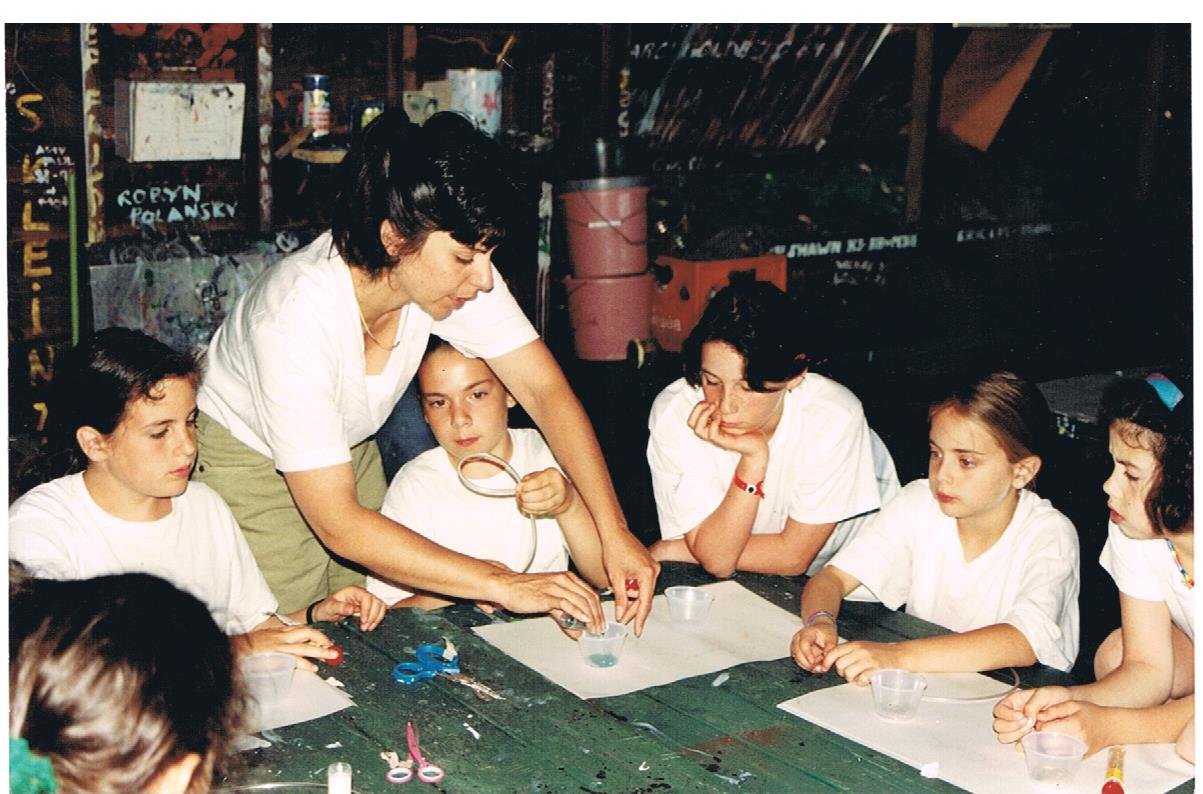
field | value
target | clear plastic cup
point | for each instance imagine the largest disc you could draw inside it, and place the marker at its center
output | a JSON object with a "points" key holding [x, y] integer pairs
{"points": [[1052, 758], [896, 693], [688, 604], [603, 650], [268, 676]]}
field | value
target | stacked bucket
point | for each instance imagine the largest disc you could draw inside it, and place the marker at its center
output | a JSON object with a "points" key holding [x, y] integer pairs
{"points": [[610, 289]]}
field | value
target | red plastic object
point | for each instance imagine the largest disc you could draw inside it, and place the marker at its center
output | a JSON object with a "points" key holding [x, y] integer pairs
{"points": [[337, 660]]}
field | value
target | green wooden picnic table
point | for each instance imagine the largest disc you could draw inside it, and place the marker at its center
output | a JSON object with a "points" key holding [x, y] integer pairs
{"points": [[686, 736]]}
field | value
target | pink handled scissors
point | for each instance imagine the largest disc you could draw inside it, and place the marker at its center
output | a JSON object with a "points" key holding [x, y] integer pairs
{"points": [[427, 772]]}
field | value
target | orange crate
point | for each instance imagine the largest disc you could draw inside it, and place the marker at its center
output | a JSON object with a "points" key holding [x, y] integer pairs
{"points": [[677, 305]]}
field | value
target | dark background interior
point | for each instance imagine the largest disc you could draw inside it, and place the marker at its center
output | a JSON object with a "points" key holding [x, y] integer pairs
{"points": [[1063, 248]]}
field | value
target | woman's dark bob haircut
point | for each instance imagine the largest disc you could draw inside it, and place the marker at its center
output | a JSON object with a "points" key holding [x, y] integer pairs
{"points": [[444, 175], [760, 322], [1135, 410]]}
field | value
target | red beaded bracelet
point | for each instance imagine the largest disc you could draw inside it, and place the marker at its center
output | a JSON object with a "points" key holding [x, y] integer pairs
{"points": [[755, 490]]}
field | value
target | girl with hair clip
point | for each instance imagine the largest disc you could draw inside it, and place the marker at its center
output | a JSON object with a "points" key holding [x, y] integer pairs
{"points": [[758, 464], [117, 684], [314, 355], [971, 548], [125, 407], [1144, 690]]}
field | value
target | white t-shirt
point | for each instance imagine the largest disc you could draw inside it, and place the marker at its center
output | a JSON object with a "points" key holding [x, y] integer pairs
{"points": [[822, 466], [59, 532], [285, 372], [427, 496], [1145, 569], [910, 553]]}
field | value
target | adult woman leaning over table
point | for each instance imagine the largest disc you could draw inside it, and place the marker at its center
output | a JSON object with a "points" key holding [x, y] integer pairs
{"points": [[312, 358]]}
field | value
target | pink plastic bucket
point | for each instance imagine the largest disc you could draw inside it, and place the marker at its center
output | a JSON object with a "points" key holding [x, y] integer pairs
{"points": [[607, 313], [606, 221]]}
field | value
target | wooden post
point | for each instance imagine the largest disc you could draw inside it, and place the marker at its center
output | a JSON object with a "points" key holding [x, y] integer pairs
{"points": [[1150, 113], [93, 131], [409, 58], [263, 95], [921, 85]]}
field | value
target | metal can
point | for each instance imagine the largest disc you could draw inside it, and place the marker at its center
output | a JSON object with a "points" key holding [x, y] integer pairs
{"points": [[316, 104]]}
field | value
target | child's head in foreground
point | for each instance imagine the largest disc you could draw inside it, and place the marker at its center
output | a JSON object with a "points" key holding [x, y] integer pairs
{"points": [[987, 440], [1149, 427], [124, 683], [464, 402]]}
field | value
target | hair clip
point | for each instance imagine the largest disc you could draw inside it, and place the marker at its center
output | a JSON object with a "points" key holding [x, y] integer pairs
{"points": [[1170, 394]]}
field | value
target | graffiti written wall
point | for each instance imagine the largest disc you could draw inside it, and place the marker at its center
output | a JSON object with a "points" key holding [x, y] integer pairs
{"points": [[179, 300], [149, 206], [39, 252]]}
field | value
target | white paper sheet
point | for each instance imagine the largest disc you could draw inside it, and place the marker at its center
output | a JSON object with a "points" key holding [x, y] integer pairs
{"points": [[309, 698], [741, 627], [955, 741]]}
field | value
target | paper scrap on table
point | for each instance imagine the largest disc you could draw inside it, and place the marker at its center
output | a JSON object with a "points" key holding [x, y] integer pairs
{"points": [[309, 698], [957, 742], [740, 627]]}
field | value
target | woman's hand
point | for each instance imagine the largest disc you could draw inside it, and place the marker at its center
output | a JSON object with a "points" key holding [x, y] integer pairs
{"points": [[1017, 714], [811, 644], [299, 641], [545, 493], [706, 422], [351, 600], [529, 593], [856, 661], [632, 574]]}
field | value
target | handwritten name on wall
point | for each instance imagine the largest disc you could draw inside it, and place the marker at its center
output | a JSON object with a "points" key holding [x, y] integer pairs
{"points": [[149, 206], [46, 170]]}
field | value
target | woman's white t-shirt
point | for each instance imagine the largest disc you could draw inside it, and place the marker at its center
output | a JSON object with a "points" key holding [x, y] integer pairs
{"points": [[285, 372]]}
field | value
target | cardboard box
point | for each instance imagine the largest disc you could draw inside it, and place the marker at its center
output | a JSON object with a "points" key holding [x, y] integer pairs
{"points": [[684, 287]]}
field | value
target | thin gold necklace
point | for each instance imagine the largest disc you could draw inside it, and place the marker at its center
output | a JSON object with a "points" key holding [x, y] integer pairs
{"points": [[364, 322]]}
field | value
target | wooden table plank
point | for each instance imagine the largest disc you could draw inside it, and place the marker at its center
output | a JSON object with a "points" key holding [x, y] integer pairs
{"points": [[689, 735]]}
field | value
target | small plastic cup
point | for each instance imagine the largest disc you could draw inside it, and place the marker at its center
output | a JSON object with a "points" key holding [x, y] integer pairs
{"points": [[1052, 758], [896, 694], [268, 676], [603, 650], [688, 604]]}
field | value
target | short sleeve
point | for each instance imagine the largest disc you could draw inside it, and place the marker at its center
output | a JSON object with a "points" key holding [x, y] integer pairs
{"points": [[489, 326], [835, 475], [880, 556], [294, 389], [1047, 592], [33, 541], [1125, 559]]}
